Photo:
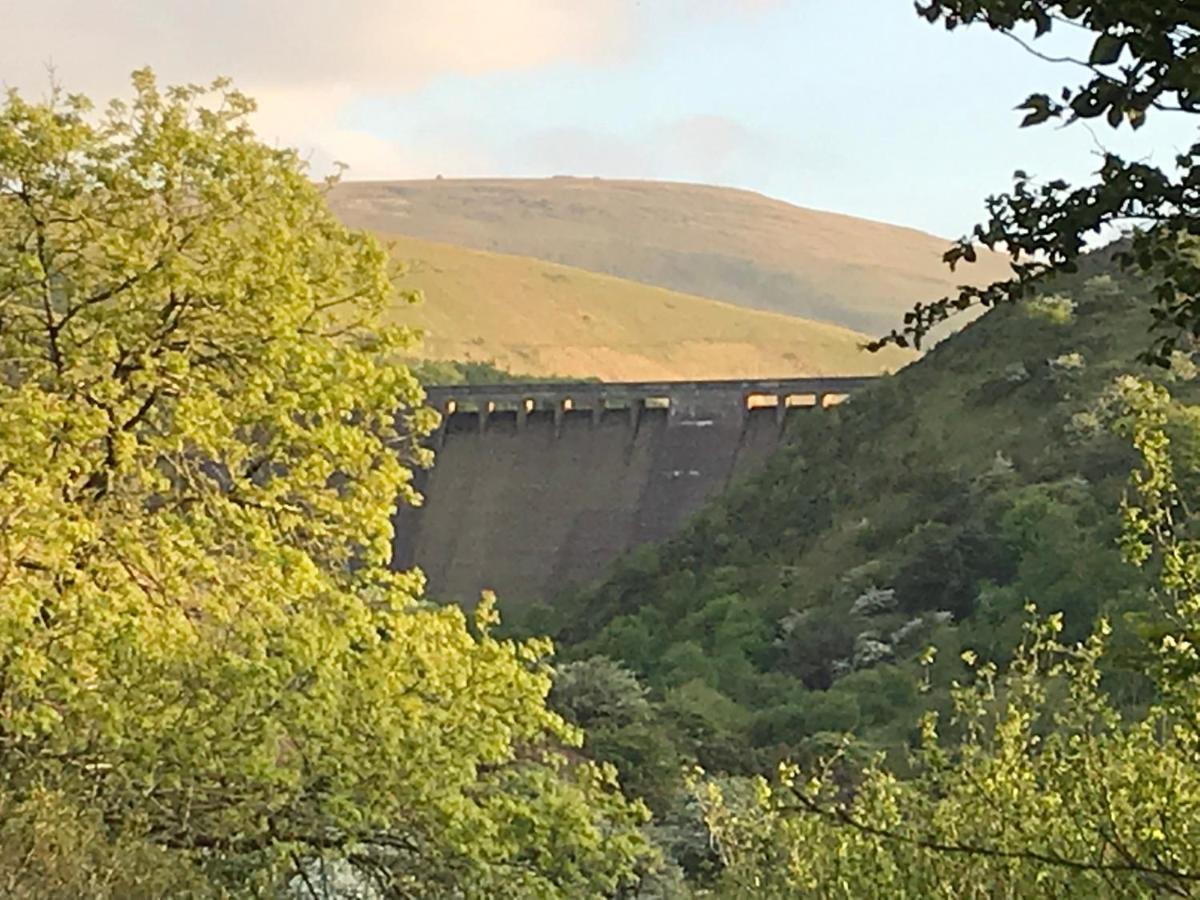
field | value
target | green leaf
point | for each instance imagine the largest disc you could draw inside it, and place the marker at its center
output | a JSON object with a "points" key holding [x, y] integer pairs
{"points": [[1106, 50], [1040, 108]]}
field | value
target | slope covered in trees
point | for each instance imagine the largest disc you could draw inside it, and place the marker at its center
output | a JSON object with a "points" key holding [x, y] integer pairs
{"points": [[928, 510], [1071, 769], [941, 511]]}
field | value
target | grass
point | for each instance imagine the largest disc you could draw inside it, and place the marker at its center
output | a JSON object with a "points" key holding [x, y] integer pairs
{"points": [[528, 316], [724, 244]]}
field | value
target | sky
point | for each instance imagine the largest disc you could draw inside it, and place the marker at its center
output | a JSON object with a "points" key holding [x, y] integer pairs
{"points": [[854, 106]]}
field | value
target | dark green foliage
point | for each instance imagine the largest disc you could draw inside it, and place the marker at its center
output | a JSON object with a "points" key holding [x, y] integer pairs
{"points": [[450, 372], [940, 565], [879, 693], [444, 372], [709, 725], [821, 636], [607, 700], [928, 510]]}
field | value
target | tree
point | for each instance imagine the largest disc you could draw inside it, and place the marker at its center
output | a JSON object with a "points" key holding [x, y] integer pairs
{"points": [[1145, 59], [623, 727], [1041, 786], [599, 691], [203, 653]]}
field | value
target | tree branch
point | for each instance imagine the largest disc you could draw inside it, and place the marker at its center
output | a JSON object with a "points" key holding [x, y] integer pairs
{"points": [[842, 817]]}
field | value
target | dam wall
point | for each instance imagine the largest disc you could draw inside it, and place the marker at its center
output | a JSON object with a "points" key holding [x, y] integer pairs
{"points": [[538, 487]]}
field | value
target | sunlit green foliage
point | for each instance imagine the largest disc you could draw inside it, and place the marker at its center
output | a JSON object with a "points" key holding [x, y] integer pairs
{"points": [[206, 669]]}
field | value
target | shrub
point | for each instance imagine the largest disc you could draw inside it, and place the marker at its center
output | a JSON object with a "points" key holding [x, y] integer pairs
{"points": [[1053, 308]]}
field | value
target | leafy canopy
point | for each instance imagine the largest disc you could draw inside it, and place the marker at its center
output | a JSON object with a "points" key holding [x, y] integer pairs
{"points": [[1145, 58], [201, 445]]}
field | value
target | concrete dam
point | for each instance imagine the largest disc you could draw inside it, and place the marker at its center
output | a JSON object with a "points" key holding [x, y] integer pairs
{"points": [[538, 487]]}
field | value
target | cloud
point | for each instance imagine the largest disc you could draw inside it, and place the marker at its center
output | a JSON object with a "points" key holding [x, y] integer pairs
{"points": [[580, 151], [361, 44], [307, 61], [303, 60], [708, 141], [708, 149]]}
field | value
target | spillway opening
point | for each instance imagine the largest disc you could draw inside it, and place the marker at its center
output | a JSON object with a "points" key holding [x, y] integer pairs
{"points": [[467, 405], [801, 401], [617, 412], [505, 405], [761, 401], [828, 400]]}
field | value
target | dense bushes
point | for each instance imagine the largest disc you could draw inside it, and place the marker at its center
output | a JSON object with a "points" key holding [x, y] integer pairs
{"points": [[764, 626], [1041, 781]]}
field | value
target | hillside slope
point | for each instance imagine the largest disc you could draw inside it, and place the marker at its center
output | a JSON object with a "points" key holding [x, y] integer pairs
{"points": [[714, 242], [928, 509], [549, 320]]}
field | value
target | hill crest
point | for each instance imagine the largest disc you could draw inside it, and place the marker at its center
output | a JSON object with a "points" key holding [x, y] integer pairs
{"points": [[721, 243]]}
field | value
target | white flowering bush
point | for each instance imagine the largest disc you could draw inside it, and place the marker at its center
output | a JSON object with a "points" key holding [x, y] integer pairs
{"points": [[873, 601], [1015, 373], [870, 649]]}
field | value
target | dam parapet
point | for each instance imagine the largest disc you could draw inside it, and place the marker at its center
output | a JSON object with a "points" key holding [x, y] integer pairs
{"points": [[683, 400], [537, 487]]}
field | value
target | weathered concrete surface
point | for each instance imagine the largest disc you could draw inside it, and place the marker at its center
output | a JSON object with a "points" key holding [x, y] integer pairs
{"points": [[538, 487]]}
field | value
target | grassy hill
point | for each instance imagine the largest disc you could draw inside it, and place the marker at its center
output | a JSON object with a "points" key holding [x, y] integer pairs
{"points": [[928, 509], [714, 242], [534, 317]]}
